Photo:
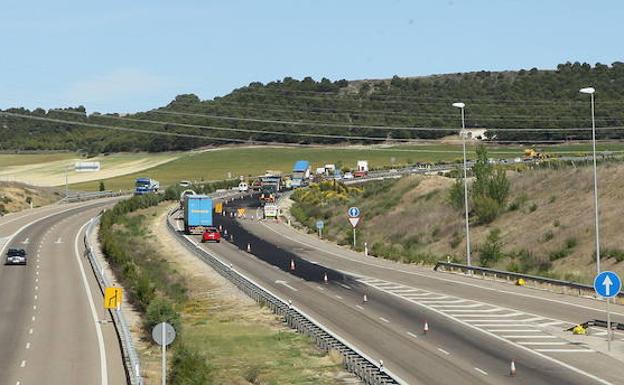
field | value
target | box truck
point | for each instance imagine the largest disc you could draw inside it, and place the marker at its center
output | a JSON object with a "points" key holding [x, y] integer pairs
{"points": [[197, 213]]}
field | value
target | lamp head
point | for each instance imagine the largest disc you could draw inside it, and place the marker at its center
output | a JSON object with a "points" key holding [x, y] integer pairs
{"points": [[587, 90], [459, 105]]}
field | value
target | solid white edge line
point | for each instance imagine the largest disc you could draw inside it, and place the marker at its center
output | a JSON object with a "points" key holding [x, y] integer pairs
{"points": [[98, 326], [481, 371], [432, 276], [444, 351], [512, 343]]}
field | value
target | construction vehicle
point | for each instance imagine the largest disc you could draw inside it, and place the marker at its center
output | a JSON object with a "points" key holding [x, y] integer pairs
{"points": [[533, 154]]}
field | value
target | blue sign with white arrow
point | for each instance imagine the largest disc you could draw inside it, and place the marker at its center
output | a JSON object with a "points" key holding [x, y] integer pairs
{"points": [[607, 284], [353, 212]]}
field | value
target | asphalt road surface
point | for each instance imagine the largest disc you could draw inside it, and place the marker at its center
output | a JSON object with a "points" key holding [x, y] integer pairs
{"points": [[50, 310], [475, 328]]}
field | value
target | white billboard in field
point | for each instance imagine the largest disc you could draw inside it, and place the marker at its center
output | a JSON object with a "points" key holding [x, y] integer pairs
{"points": [[87, 166]]}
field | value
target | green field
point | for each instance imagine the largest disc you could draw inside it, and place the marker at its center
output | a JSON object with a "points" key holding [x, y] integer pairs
{"points": [[20, 159], [218, 164]]}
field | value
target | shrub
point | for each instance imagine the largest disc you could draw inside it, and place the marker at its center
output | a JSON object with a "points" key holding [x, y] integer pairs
{"points": [[571, 243], [189, 367], [617, 254], [456, 194], [455, 240], [485, 208], [161, 310], [491, 251], [548, 235], [556, 223], [552, 199], [533, 207]]}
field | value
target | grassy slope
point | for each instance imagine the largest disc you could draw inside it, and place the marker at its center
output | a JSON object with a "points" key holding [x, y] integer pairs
{"points": [[243, 342], [21, 159], [13, 196], [557, 210], [212, 165]]}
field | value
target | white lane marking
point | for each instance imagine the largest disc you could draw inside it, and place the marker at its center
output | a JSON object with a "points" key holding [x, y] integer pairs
{"points": [[566, 350], [17, 383], [36, 279], [514, 330], [438, 278], [453, 306], [506, 315], [444, 351], [525, 336], [36, 272], [339, 297], [553, 323], [30, 331], [33, 318], [412, 335], [23, 363], [34, 307], [284, 283], [543, 343], [27, 241], [37, 266], [320, 288], [462, 312], [345, 286], [98, 329], [359, 307], [489, 325], [36, 296], [384, 320], [449, 301], [27, 345], [481, 371], [58, 241]]}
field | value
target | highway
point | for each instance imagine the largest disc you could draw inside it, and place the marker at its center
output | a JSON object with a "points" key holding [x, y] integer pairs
{"points": [[476, 328], [51, 309]]}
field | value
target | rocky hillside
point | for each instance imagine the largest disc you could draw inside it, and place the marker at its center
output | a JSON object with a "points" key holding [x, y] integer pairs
{"points": [[18, 196]]}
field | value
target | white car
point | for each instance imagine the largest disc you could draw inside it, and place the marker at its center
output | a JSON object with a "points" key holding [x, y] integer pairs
{"points": [[243, 187], [347, 175]]}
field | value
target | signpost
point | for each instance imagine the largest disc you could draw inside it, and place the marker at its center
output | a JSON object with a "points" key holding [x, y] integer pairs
{"points": [[607, 285], [319, 226], [112, 297], [163, 334], [354, 218]]}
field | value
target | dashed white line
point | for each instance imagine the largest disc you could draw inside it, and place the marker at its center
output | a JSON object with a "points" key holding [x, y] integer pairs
{"points": [[384, 320], [23, 363], [339, 297], [481, 371], [33, 318], [359, 307], [412, 335], [345, 286], [36, 296], [444, 351], [34, 307], [30, 331], [27, 345]]}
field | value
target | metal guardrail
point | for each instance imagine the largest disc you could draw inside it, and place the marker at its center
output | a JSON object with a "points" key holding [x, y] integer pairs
{"points": [[568, 287], [130, 357], [79, 197], [354, 360]]}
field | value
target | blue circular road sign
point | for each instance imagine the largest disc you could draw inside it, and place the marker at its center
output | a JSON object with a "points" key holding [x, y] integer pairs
{"points": [[353, 212], [607, 284], [320, 224]]}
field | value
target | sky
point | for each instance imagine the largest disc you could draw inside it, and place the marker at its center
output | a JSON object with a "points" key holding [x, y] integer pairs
{"points": [[128, 56]]}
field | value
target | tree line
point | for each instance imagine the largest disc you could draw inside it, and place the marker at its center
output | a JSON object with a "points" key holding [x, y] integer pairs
{"points": [[527, 105]]}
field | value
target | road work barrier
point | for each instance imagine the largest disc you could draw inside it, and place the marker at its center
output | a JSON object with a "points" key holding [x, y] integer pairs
{"points": [[535, 281], [354, 360], [130, 357]]}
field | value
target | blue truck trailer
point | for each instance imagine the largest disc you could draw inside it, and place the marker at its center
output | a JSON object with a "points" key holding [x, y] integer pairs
{"points": [[301, 173], [197, 213]]}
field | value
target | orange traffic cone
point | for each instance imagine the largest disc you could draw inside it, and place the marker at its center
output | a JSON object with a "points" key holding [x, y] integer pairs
{"points": [[426, 328], [292, 264], [249, 248], [512, 369], [325, 278]]}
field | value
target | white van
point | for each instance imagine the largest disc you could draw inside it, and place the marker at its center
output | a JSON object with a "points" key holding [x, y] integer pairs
{"points": [[243, 187]]}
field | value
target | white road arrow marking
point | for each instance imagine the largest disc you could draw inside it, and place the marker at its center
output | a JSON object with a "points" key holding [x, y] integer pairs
{"points": [[607, 283], [286, 284], [58, 241], [25, 241]]}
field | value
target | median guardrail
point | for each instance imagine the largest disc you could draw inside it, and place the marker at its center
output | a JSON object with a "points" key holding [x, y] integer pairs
{"points": [[354, 360], [566, 287], [85, 196], [131, 360]]}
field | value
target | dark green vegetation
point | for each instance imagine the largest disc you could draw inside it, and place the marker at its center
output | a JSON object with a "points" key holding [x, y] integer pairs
{"points": [[495, 100]]}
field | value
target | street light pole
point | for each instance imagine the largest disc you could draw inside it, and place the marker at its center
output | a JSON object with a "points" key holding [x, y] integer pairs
{"points": [[463, 135], [591, 91]]}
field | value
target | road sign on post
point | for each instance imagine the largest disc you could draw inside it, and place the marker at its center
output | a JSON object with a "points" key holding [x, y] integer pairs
{"points": [[319, 226], [354, 218], [163, 334], [112, 297], [607, 285]]}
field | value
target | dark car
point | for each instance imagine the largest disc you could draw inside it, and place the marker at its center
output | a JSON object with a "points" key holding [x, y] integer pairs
{"points": [[16, 257]]}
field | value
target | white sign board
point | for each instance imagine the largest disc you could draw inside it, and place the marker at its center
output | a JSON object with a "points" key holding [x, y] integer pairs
{"points": [[87, 166], [354, 221]]}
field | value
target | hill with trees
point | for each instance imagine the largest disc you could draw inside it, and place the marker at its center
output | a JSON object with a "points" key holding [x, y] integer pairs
{"points": [[527, 105]]}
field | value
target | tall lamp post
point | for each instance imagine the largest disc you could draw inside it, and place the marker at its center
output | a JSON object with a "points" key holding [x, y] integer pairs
{"points": [[461, 106], [591, 91]]}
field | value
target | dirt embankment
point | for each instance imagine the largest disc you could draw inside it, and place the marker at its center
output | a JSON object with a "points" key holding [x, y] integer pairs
{"points": [[16, 196]]}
